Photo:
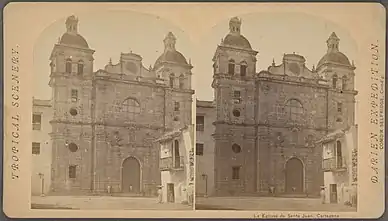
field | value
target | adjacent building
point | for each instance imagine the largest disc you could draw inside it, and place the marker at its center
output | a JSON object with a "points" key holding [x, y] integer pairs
{"points": [[105, 123], [41, 147], [340, 166], [204, 148], [177, 166], [266, 123]]}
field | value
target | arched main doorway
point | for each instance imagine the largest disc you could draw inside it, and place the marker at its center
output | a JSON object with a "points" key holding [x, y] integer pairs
{"points": [[130, 178], [294, 176]]}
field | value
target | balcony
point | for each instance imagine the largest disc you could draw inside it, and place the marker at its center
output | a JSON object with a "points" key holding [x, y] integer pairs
{"points": [[334, 164], [171, 163]]}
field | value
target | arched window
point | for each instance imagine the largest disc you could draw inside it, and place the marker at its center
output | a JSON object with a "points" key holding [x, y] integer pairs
{"points": [[243, 69], [231, 67], [344, 82], [172, 80], [181, 81], [80, 67], [68, 66], [335, 79], [295, 109], [132, 108]]}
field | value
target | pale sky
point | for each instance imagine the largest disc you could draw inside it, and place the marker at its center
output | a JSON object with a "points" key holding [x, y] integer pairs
{"points": [[272, 34]]}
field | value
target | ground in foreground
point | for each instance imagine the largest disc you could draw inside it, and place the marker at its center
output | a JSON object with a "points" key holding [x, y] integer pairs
{"points": [[268, 204], [103, 202]]}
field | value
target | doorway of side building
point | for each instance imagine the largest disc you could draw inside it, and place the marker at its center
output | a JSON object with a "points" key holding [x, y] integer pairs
{"points": [[130, 179], [170, 193], [333, 193], [294, 176]]}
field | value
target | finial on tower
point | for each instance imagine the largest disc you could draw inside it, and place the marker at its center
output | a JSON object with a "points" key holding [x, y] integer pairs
{"points": [[110, 61], [169, 42], [235, 25], [333, 43], [72, 24], [273, 61]]}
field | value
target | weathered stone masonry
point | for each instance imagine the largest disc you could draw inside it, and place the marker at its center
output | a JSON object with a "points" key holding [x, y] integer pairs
{"points": [[267, 122], [104, 118]]}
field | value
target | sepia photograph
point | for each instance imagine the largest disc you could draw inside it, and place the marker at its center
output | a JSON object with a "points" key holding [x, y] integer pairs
{"points": [[113, 133], [194, 110], [278, 131]]}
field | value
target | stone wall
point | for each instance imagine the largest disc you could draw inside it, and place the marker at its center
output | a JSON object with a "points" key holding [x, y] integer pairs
{"points": [[282, 137], [63, 135], [225, 159], [117, 134]]}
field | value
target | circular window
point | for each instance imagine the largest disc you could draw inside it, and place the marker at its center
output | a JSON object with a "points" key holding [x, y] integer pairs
{"points": [[236, 148], [73, 112], [73, 147], [236, 113]]}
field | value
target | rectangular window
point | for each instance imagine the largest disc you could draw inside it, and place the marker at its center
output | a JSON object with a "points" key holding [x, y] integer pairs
{"points": [[35, 148], [36, 122], [72, 171], [199, 149], [74, 95], [235, 173], [200, 124], [339, 107], [237, 97], [176, 106]]}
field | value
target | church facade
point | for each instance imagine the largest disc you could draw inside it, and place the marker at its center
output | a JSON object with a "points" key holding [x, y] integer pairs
{"points": [[105, 122], [267, 122]]}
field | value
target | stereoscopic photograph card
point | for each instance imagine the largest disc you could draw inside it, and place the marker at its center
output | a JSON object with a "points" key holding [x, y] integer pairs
{"points": [[194, 110]]}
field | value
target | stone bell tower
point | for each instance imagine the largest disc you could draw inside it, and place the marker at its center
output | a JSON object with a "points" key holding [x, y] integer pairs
{"points": [[234, 88], [71, 64], [335, 67], [173, 68]]}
